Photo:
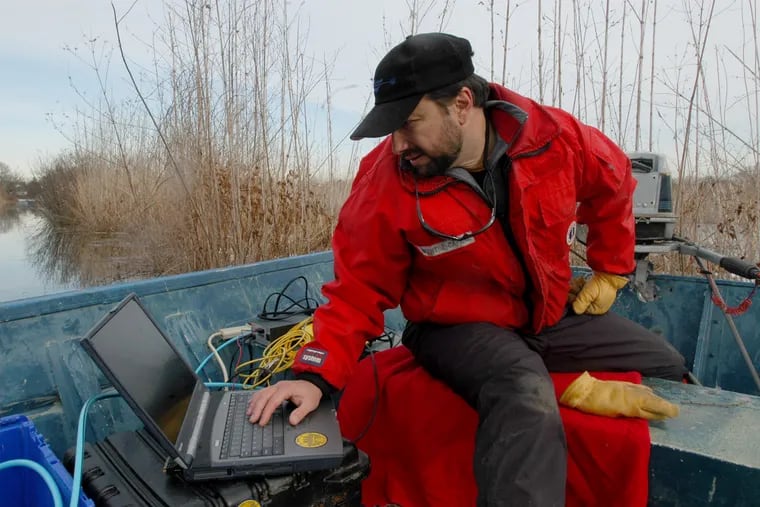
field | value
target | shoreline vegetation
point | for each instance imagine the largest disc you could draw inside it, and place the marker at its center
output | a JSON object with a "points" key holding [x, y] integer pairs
{"points": [[214, 163], [220, 158], [5, 199]]}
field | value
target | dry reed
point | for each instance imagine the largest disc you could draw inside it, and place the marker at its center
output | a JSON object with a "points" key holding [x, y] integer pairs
{"points": [[225, 169], [229, 178]]}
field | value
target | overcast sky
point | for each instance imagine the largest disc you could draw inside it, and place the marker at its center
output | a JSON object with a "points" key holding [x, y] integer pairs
{"points": [[44, 54], [45, 63]]}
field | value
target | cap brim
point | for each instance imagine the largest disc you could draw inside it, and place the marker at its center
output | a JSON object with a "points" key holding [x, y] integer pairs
{"points": [[385, 118]]}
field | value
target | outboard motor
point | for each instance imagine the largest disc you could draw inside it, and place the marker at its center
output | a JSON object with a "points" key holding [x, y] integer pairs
{"points": [[653, 198], [655, 222]]}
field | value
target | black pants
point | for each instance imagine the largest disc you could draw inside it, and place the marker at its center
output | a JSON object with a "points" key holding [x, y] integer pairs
{"points": [[520, 449]]}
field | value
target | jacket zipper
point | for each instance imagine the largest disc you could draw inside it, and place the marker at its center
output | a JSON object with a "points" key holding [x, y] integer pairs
{"points": [[540, 287]]}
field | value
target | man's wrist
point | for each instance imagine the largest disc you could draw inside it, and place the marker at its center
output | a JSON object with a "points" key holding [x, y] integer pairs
{"points": [[317, 380]]}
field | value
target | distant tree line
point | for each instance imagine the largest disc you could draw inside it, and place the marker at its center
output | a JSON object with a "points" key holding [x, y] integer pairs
{"points": [[13, 186]]}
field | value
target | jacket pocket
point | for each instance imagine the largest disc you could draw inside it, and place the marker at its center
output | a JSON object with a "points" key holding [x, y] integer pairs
{"points": [[557, 206], [556, 228]]}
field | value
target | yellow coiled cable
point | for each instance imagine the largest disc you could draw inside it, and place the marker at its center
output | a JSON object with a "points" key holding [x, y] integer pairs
{"points": [[278, 356]]}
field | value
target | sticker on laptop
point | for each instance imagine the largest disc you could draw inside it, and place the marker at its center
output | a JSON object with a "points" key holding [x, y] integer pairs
{"points": [[311, 440], [312, 356]]}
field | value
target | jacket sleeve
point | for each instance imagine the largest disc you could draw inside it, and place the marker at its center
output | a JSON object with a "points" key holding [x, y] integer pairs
{"points": [[371, 261], [605, 186]]}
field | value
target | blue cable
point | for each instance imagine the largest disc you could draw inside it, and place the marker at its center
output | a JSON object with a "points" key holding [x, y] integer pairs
{"points": [[81, 428], [49, 481], [218, 349]]}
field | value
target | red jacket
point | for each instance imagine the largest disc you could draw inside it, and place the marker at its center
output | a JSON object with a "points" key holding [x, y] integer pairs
{"points": [[562, 172]]}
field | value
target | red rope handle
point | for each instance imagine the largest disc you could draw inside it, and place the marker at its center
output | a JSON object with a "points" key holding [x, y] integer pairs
{"points": [[742, 307], [718, 300]]}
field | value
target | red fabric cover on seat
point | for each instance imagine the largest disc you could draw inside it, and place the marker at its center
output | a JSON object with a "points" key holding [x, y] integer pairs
{"points": [[421, 441]]}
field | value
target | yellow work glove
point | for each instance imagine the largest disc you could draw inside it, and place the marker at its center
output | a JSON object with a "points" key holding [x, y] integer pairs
{"points": [[596, 294], [614, 398]]}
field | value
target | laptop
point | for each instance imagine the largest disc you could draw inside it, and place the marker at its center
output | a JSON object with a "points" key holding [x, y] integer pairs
{"points": [[205, 433]]}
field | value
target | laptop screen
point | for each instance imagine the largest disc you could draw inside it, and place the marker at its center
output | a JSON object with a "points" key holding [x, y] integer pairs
{"points": [[146, 366]]}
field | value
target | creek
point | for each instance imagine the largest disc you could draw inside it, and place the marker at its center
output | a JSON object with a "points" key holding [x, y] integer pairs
{"points": [[24, 262]]}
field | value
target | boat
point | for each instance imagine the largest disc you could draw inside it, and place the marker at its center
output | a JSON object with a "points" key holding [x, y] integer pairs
{"points": [[709, 455]]}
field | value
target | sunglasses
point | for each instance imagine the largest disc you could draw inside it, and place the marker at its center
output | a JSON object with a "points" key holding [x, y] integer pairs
{"points": [[467, 234]]}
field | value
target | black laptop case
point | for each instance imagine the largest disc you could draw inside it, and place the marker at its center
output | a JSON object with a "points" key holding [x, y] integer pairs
{"points": [[127, 470]]}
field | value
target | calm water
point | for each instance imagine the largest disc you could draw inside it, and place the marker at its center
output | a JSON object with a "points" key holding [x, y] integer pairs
{"points": [[22, 274]]}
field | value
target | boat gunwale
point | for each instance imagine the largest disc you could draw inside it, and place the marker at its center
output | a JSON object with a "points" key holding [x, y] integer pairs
{"points": [[74, 299]]}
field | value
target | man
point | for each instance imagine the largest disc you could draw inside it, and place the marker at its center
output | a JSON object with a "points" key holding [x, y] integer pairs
{"points": [[464, 216]]}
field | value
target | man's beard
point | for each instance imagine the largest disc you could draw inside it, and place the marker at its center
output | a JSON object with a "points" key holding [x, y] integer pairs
{"points": [[452, 143], [437, 165]]}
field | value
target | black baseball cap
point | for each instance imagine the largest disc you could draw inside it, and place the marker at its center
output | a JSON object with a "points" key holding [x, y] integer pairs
{"points": [[421, 64]]}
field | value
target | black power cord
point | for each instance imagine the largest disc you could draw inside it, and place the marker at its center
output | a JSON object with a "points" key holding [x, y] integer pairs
{"points": [[375, 402], [388, 337], [303, 306]]}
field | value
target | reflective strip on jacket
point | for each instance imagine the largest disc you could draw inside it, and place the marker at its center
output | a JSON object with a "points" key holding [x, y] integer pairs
{"points": [[562, 172]]}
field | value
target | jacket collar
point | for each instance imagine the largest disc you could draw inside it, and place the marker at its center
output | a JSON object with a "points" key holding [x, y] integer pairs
{"points": [[524, 124]]}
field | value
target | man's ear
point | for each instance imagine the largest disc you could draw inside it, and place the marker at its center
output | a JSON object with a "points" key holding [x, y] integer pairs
{"points": [[463, 104]]}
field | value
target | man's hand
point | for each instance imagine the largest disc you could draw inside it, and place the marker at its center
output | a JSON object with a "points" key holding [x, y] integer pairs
{"points": [[596, 295], [264, 402]]}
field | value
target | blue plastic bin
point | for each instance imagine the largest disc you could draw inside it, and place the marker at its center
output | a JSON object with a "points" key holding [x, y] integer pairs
{"points": [[21, 486]]}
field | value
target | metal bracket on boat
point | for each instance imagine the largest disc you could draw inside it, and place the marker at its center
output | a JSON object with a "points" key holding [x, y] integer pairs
{"points": [[642, 283], [645, 287]]}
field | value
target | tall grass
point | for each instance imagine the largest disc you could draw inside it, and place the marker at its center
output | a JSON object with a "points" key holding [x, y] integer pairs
{"points": [[214, 165], [219, 159]]}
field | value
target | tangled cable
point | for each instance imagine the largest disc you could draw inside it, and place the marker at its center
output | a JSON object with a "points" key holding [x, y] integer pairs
{"points": [[277, 357]]}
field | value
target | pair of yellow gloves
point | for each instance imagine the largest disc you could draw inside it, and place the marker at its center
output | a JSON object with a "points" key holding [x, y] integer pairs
{"points": [[611, 398]]}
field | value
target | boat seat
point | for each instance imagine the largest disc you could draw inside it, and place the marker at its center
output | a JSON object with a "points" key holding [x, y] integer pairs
{"points": [[421, 440]]}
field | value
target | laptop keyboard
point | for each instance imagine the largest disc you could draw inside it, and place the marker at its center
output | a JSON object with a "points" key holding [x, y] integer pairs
{"points": [[245, 440]]}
